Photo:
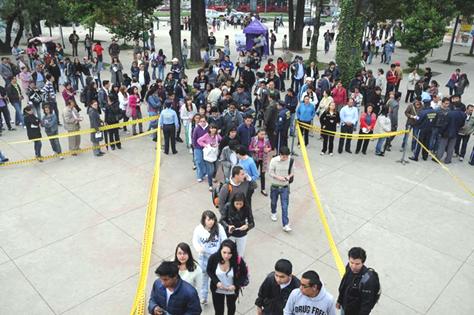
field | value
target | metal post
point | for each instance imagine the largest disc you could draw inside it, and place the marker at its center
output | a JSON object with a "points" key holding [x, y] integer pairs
{"points": [[293, 137]]}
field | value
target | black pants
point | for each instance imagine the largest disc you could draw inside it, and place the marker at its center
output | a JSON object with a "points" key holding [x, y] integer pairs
{"points": [[54, 107], [363, 143], [125, 119], [343, 140], [424, 136], [218, 301], [328, 140], [178, 132], [113, 137], [6, 115], [74, 50], [461, 145], [281, 140], [305, 132], [169, 133], [410, 96], [262, 174]]}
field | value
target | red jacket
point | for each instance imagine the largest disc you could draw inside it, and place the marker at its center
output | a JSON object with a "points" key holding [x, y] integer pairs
{"points": [[339, 96], [391, 77], [281, 66], [363, 123], [269, 67]]}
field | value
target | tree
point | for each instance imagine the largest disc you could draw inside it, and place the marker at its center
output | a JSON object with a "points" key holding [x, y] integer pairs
{"points": [[453, 37], [198, 29], [175, 13], [291, 22], [296, 30], [466, 9], [313, 55], [348, 49], [424, 31]]}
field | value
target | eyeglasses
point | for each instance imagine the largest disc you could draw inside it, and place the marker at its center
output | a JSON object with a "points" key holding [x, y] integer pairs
{"points": [[305, 286]]}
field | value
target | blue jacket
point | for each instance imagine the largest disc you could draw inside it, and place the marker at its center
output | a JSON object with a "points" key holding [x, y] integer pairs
{"points": [[426, 118], [245, 134], [305, 112], [227, 64], [456, 119], [183, 301]]}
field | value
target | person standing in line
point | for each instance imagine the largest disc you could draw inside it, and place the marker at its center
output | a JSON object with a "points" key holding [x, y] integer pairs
{"points": [[207, 238], [260, 148], [135, 110], [71, 124], [282, 125], [455, 121], [367, 125], [276, 288], [383, 125], [168, 122], [74, 40], [305, 114], [311, 296], [200, 130], [49, 94], [413, 78], [4, 110], [349, 116], [33, 130], [189, 269], [211, 42], [113, 114], [15, 97], [228, 273], [359, 290], [184, 53], [308, 36], [329, 120], [237, 184], [50, 124], [281, 174], [465, 133], [210, 141], [96, 123], [453, 80], [172, 295], [114, 49], [88, 46], [393, 106], [237, 220]]}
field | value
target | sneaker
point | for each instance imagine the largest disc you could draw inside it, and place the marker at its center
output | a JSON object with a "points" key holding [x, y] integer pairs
{"points": [[61, 157], [199, 180], [203, 301], [330, 154], [274, 217], [194, 167], [210, 188], [322, 153], [190, 151], [461, 158], [287, 228]]}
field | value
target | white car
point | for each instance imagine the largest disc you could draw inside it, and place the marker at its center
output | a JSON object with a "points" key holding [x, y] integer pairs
{"points": [[213, 14]]}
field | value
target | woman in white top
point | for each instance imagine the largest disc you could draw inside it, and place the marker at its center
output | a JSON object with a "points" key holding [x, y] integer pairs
{"points": [[187, 112], [189, 270], [123, 103], [207, 238]]}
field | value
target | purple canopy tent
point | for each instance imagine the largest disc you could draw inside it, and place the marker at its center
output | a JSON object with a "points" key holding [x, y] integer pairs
{"points": [[254, 30]]}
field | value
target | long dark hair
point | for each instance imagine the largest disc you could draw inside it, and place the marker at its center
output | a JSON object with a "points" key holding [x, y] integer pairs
{"points": [[240, 196], [214, 232], [233, 249], [190, 263]]}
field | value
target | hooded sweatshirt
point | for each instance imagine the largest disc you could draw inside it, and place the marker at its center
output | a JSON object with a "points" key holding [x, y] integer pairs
{"points": [[322, 304], [201, 239]]}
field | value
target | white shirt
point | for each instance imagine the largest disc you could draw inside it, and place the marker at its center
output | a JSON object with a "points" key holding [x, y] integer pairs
{"points": [[226, 278], [141, 77]]}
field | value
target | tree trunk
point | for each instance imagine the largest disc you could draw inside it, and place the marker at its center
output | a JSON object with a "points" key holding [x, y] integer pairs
{"points": [[35, 28], [471, 51], [175, 13], [299, 27], [21, 28], [313, 55], [453, 37], [291, 23], [8, 32], [198, 29]]}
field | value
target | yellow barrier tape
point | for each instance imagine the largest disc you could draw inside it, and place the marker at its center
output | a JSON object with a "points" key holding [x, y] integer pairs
{"points": [[139, 303], [335, 252], [91, 130], [459, 181], [67, 153], [352, 135]]}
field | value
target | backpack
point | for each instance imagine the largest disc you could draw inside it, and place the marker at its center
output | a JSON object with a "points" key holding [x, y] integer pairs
{"points": [[215, 194], [378, 290]]}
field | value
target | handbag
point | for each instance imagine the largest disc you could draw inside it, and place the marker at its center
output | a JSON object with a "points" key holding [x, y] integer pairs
{"points": [[210, 153], [99, 136]]}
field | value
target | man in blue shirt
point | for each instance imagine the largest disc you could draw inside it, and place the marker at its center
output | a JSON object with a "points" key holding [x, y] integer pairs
{"points": [[169, 123], [349, 116], [172, 295], [298, 70], [246, 131]]}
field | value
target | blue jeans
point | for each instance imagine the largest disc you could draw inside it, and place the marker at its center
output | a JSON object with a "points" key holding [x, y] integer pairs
{"points": [[284, 193], [434, 140], [199, 162], [37, 145], [203, 259], [212, 50], [18, 113], [379, 146], [153, 73], [210, 171], [161, 72]]}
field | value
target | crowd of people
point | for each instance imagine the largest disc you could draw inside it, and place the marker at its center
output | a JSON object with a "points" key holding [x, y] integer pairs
{"points": [[236, 119]]}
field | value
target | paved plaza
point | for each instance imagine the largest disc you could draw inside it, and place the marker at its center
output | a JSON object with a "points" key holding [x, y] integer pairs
{"points": [[71, 230]]}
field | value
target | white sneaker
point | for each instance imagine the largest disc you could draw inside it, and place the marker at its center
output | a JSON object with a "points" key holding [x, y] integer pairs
{"points": [[210, 188], [190, 151], [203, 301], [199, 180], [274, 217], [287, 228], [461, 158], [61, 157], [322, 153], [330, 154]]}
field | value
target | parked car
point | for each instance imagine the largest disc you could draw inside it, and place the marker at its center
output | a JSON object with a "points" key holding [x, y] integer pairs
{"points": [[309, 21]]}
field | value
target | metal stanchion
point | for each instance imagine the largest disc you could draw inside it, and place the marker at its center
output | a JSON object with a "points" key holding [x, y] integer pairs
{"points": [[293, 137]]}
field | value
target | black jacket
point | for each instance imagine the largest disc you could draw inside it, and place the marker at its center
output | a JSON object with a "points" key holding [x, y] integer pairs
{"points": [[271, 298], [358, 293], [328, 121], [236, 218], [95, 121], [33, 129], [240, 275]]}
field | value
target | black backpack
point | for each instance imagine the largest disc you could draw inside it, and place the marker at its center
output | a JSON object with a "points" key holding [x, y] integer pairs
{"points": [[378, 290]]}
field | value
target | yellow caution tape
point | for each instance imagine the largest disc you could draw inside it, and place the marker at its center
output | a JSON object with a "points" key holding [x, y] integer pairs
{"points": [[459, 181], [67, 153], [352, 135], [139, 303], [91, 130], [332, 244]]}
